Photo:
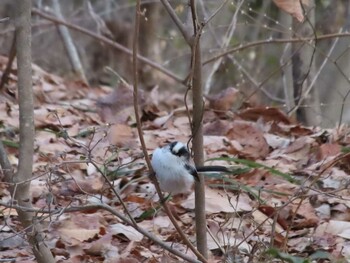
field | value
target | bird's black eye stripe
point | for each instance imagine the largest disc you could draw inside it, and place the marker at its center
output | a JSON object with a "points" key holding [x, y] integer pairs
{"points": [[183, 152]]}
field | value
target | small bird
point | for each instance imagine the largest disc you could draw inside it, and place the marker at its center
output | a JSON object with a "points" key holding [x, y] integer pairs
{"points": [[174, 168]]}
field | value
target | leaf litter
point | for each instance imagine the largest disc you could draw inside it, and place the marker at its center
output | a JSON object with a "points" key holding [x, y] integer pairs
{"points": [[87, 134]]}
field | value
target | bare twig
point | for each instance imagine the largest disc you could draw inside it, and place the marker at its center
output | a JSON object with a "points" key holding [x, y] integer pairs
{"points": [[178, 22], [108, 42], [115, 192], [143, 144], [224, 45], [274, 41]]}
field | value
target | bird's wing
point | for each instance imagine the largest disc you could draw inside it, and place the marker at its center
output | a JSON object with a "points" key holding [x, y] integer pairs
{"points": [[192, 170]]}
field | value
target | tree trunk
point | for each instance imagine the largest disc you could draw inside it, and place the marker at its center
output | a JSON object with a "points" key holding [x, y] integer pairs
{"points": [[308, 111], [21, 187]]}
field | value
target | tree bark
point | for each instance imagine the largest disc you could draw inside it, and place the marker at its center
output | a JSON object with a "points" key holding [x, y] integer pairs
{"points": [[21, 181], [149, 43], [197, 133]]}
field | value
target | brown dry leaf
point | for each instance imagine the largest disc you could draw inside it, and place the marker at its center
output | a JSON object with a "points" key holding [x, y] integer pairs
{"points": [[224, 100], [282, 214], [91, 184], [250, 137], [266, 113], [121, 135], [217, 127], [292, 7], [327, 150], [306, 215], [261, 219], [216, 201], [73, 234]]}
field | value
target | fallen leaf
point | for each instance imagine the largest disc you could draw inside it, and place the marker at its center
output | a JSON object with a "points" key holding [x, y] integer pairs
{"points": [[250, 138], [216, 202], [224, 100], [268, 114], [127, 231], [292, 7], [327, 150], [121, 135]]}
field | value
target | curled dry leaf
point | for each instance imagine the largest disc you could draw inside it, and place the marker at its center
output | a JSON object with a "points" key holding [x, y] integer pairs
{"points": [[217, 127], [250, 137], [327, 150], [292, 7], [266, 113]]}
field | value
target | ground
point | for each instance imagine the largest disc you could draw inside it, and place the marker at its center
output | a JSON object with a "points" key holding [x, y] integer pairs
{"points": [[286, 197]]}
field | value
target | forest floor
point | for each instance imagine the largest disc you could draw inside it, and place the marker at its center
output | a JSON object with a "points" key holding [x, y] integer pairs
{"points": [[287, 197]]}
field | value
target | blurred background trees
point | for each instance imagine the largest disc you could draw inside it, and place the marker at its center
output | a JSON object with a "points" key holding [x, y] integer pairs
{"points": [[270, 64]]}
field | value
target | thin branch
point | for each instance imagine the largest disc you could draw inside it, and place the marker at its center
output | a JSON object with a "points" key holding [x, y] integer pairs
{"points": [[178, 22], [197, 132], [257, 86], [215, 12], [143, 144], [274, 41], [226, 41], [108, 42], [114, 191]]}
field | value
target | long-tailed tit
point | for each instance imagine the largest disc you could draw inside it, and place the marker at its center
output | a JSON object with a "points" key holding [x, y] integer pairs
{"points": [[174, 168]]}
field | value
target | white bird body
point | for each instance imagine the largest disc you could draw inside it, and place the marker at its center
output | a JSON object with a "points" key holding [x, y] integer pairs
{"points": [[174, 168]]}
